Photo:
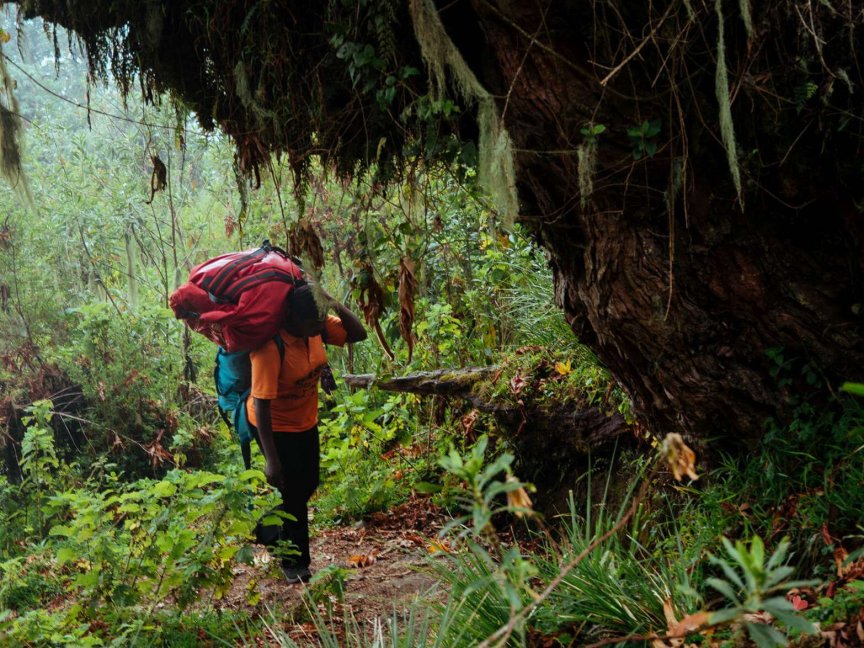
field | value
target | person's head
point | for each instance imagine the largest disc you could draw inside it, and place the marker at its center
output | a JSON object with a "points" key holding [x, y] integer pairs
{"points": [[304, 318]]}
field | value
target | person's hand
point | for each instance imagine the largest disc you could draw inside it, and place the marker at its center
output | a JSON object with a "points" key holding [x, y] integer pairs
{"points": [[273, 473]]}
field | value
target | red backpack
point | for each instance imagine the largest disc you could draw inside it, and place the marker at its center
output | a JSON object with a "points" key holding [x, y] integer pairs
{"points": [[238, 300]]}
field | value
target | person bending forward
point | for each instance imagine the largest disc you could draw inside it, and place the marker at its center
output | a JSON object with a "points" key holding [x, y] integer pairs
{"points": [[284, 410]]}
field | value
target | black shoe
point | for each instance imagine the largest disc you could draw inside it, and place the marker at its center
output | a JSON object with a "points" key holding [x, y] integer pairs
{"points": [[296, 574]]}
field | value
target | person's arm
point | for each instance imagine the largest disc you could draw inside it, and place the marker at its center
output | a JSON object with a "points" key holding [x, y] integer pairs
{"points": [[350, 322], [272, 465]]}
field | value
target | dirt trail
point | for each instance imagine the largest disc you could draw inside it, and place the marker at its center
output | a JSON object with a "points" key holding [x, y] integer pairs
{"points": [[386, 558]]}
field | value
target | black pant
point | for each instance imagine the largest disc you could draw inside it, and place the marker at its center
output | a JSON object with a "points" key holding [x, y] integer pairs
{"points": [[298, 453]]}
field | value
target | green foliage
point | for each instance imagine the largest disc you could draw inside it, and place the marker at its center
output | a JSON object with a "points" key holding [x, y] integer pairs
{"points": [[643, 138], [753, 585], [484, 484], [117, 547], [544, 377], [846, 602], [592, 132]]}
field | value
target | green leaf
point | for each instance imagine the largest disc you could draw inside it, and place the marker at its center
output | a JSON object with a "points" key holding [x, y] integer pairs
{"points": [[60, 530], [65, 555], [164, 489], [778, 556], [250, 475], [731, 574], [757, 551], [765, 636], [778, 575], [724, 616], [853, 388], [246, 555], [795, 621], [427, 487], [723, 587]]}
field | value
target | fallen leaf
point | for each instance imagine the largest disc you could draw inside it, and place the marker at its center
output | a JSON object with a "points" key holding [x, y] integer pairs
{"points": [[826, 535], [799, 604], [363, 560], [690, 623], [438, 547], [840, 556]]}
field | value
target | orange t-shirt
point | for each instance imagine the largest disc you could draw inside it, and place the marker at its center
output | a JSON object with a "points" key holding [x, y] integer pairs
{"points": [[293, 387]]}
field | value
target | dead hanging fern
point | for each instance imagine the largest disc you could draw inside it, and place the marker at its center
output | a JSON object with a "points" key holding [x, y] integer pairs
{"points": [[371, 299], [497, 167], [727, 126], [407, 291], [304, 242]]}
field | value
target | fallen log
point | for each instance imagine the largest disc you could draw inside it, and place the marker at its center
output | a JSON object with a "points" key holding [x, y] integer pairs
{"points": [[445, 382], [551, 440]]}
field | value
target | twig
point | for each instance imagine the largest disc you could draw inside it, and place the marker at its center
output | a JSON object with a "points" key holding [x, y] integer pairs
{"points": [[79, 105], [639, 47]]}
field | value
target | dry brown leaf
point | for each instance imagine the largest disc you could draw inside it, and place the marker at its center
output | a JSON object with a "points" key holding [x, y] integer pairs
{"points": [[359, 561], [156, 451], [407, 292], [679, 456], [690, 623], [518, 499], [438, 546], [469, 421], [840, 556], [371, 300], [415, 538], [679, 629]]}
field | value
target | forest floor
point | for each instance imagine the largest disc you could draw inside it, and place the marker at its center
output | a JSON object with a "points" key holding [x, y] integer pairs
{"points": [[387, 562]]}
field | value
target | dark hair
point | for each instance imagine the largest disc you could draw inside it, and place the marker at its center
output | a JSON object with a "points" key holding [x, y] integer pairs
{"points": [[302, 305]]}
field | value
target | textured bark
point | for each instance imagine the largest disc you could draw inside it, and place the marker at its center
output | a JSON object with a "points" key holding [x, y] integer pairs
{"points": [[786, 272], [445, 382]]}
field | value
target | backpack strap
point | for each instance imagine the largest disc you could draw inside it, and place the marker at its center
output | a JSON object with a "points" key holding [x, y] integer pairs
{"points": [[271, 274], [215, 284]]}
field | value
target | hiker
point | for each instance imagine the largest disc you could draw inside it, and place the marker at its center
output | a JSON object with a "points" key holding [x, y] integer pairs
{"points": [[283, 410]]}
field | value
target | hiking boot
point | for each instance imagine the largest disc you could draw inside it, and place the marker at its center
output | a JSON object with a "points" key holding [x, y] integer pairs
{"points": [[295, 574]]}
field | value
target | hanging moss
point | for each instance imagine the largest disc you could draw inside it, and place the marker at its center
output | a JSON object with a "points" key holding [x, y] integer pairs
{"points": [[497, 169], [727, 127], [10, 133]]}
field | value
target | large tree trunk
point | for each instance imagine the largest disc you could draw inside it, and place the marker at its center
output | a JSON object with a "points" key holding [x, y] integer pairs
{"points": [[687, 300]]}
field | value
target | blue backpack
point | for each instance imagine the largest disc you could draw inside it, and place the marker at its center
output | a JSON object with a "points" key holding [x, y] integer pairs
{"points": [[233, 378]]}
